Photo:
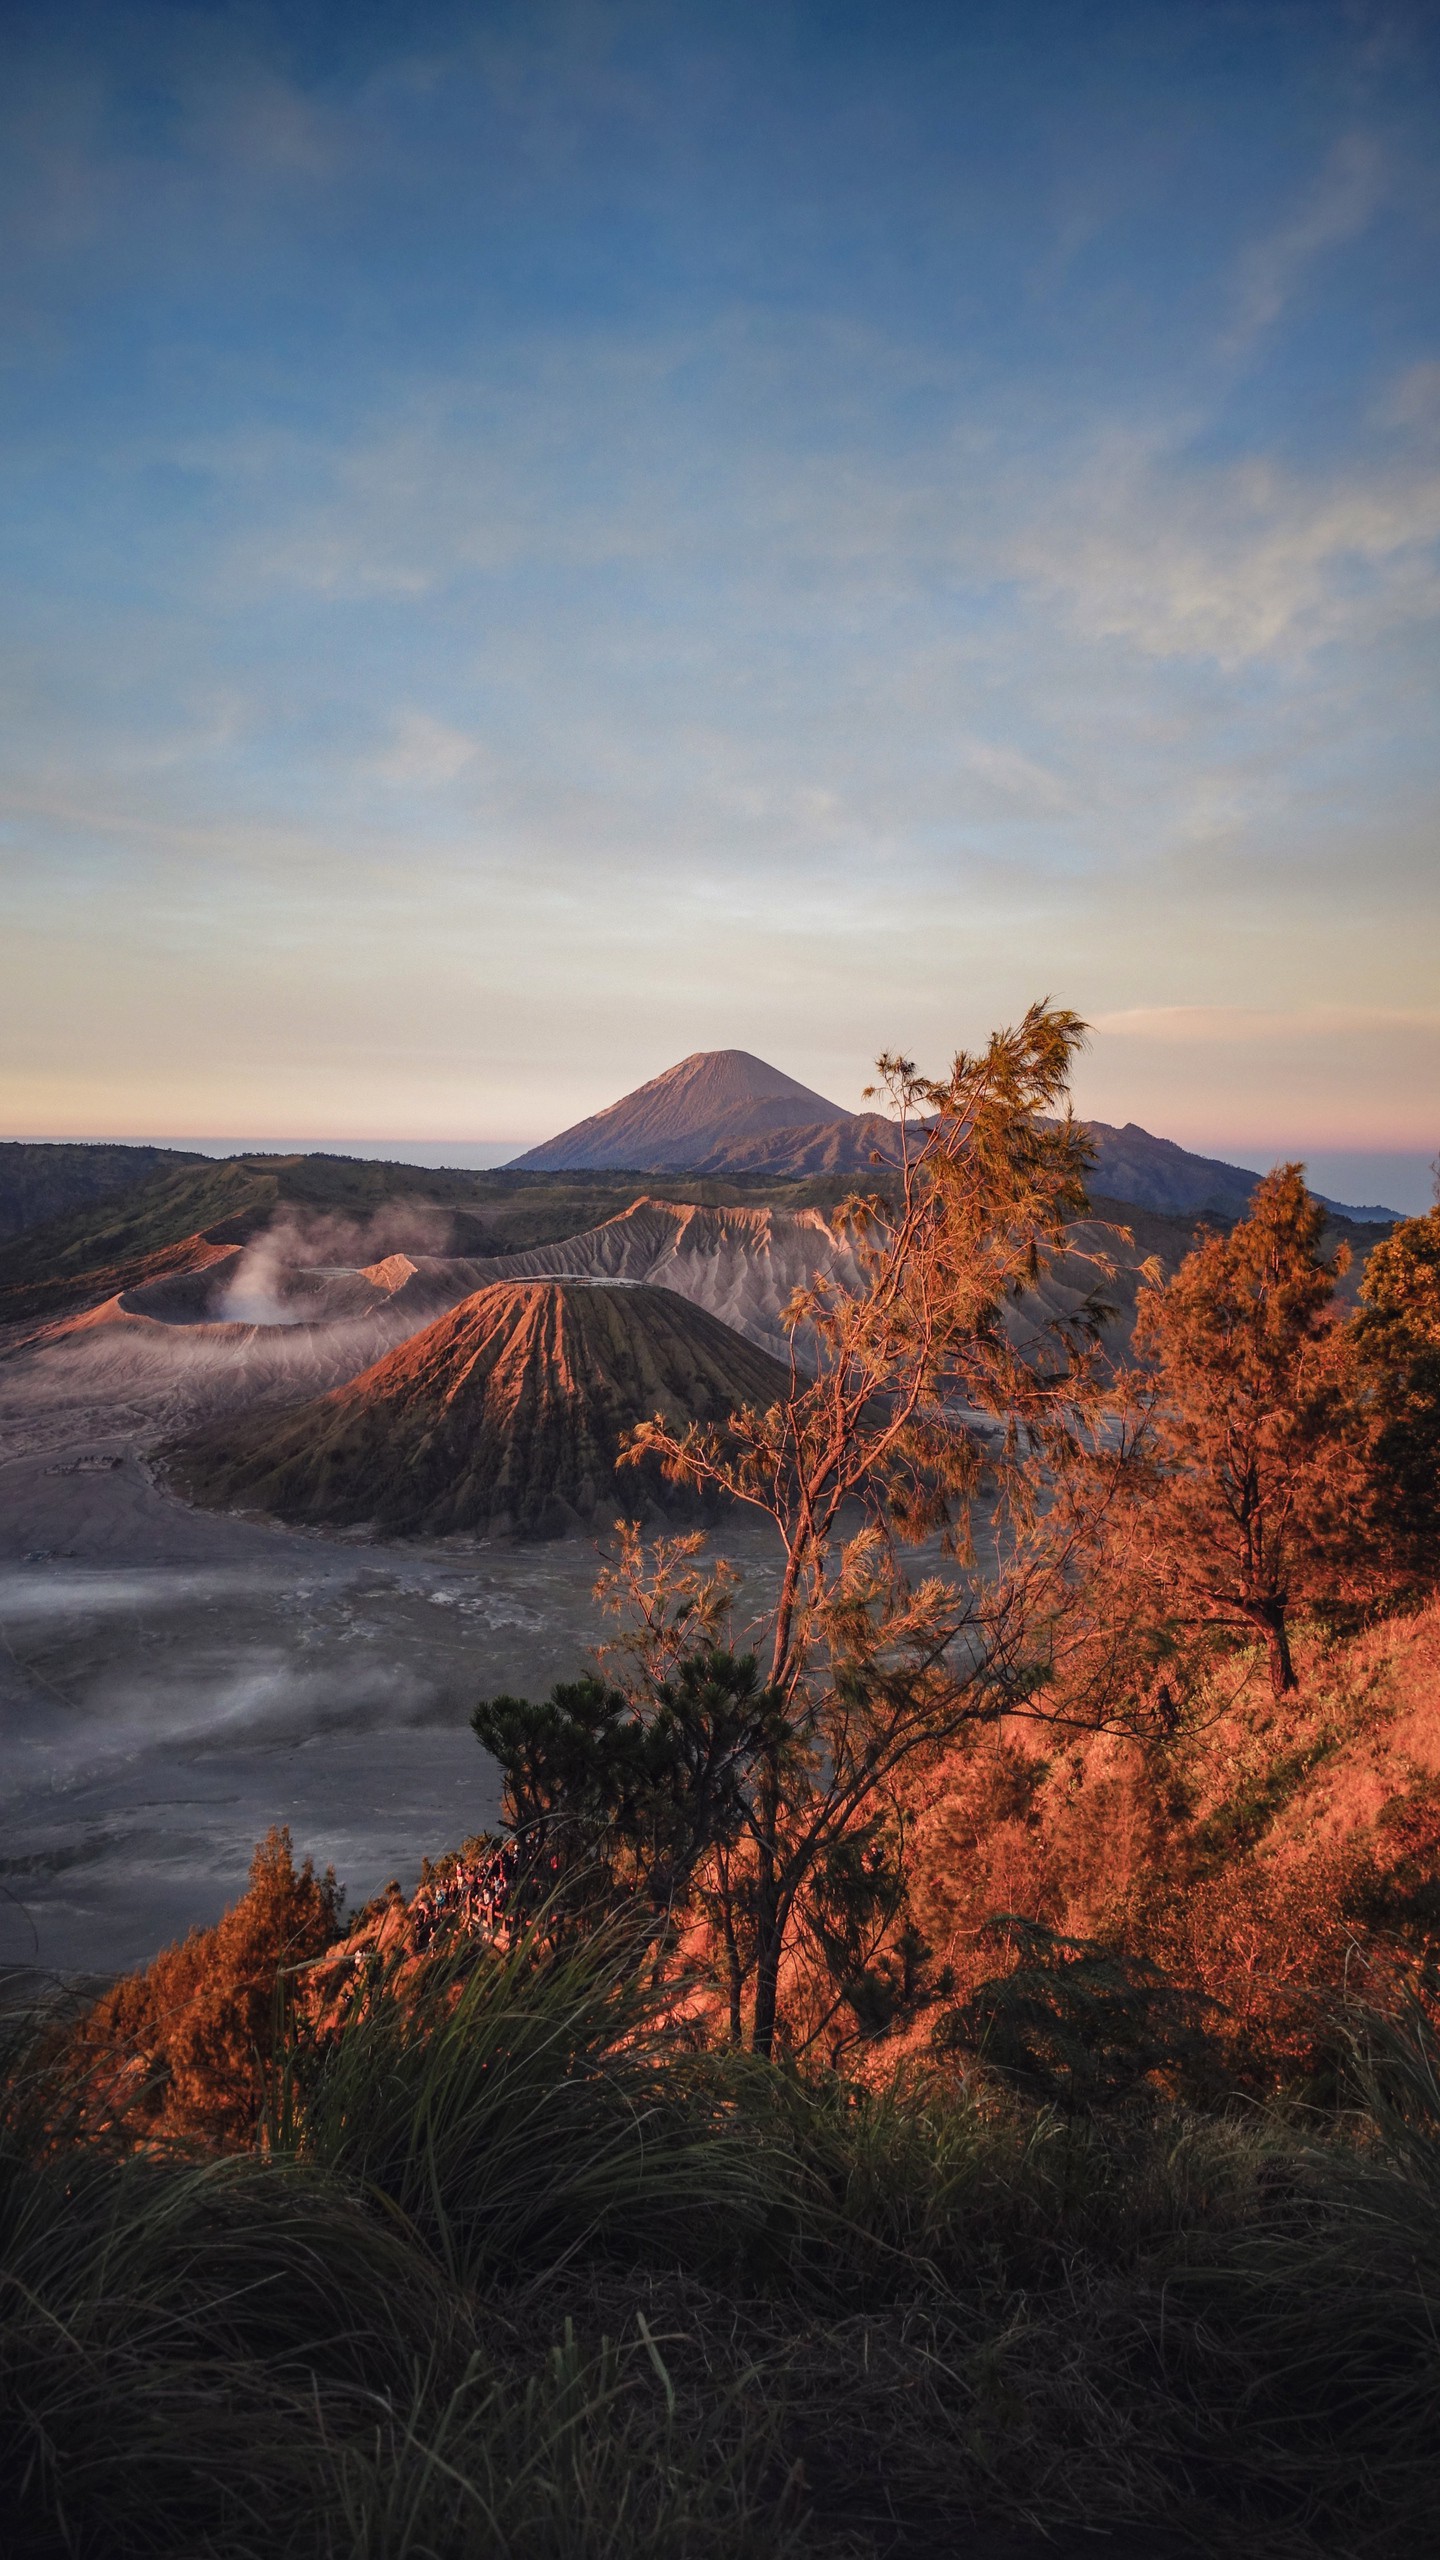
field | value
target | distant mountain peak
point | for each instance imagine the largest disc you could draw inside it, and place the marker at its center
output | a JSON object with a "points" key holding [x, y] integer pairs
{"points": [[725, 1112], [731, 1075], [713, 1098]]}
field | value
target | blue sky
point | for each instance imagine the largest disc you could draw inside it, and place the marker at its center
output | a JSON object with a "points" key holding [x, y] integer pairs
{"points": [[539, 539]]}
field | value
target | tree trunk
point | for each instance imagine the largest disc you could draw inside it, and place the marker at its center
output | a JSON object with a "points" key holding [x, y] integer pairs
{"points": [[784, 1618], [769, 1933], [769, 1911], [735, 1971], [1277, 1640], [769, 1936]]}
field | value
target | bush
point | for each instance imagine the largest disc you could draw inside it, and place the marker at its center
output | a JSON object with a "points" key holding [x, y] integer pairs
{"points": [[1077, 2024], [198, 2030], [518, 2105]]}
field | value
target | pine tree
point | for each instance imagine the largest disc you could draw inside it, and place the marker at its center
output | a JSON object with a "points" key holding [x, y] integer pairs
{"points": [[1397, 1336], [1250, 1501], [876, 1446]]}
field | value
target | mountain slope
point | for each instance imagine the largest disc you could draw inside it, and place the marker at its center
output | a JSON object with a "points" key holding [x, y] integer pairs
{"points": [[505, 1413], [47, 1180], [1130, 1164], [849, 1146], [715, 1098], [742, 1265], [679, 1123], [1155, 1173]]}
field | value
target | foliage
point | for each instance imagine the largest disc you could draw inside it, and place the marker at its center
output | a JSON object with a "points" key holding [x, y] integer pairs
{"points": [[667, 1603], [1081, 2024], [1246, 1484], [877, 1443], [198, 2028], [1262, 1851], [610, 1792], [1397, 1335]]}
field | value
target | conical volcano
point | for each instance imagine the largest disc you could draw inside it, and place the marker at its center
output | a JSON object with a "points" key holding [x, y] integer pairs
{"points": [[710, 1101], [506, 1413]]}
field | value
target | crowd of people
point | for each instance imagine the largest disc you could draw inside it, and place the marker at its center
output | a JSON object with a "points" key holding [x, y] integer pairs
{"points": [[467, 1897]]}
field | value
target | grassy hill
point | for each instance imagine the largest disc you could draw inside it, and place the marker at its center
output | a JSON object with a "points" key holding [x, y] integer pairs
{"points": [[77, 1260], [40, 1181]]}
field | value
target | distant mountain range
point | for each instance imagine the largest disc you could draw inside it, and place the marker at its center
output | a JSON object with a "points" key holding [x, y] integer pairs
{"points": [[722, 1112]]}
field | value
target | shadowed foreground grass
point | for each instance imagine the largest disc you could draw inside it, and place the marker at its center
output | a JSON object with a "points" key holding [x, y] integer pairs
{"points": [[511, 2269]]}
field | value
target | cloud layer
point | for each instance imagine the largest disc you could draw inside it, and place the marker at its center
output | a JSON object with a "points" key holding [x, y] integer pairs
{"points": [[540, 547]]}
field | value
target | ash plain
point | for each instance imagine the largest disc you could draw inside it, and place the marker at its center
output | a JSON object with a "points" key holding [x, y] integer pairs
{"points": [[172, 1682]]}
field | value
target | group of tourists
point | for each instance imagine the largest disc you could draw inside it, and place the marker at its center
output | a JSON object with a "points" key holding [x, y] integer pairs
{"points": [[468, 1897]]}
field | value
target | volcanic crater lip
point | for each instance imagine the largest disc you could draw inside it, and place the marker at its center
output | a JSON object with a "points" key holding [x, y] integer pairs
{"points": [[508, 1409], [214, 1298]]}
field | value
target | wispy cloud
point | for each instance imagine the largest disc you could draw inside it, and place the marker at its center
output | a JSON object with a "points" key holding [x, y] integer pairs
{"points": [[1341, 204], [426, 752], [1244, 562], [1225, 1023]]}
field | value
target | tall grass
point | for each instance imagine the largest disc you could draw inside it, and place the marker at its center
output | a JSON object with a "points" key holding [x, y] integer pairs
{"points": [[178, 2340], [530, 2105], [520, 2272], [589, 2458], [1308, 2336]]}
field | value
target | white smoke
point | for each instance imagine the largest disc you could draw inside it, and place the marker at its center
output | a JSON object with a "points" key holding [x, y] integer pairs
{"points": [[266, 1286], [254, 1293]]}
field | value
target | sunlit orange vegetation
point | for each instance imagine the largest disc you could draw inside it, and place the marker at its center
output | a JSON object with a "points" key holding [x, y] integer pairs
{"points": [[1272, 1853], [1273, 1850], [1173, 1696], [183, 2049], [188, 2048]]}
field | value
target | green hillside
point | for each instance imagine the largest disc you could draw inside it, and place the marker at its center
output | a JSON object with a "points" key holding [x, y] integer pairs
{"points": [[77, 1260]]}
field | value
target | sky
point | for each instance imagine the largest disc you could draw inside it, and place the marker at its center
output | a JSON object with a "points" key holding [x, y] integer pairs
{"points": [[538, 539]]}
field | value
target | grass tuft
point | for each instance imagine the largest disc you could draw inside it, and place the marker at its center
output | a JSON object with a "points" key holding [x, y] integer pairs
{"points": [[520, 2272]]}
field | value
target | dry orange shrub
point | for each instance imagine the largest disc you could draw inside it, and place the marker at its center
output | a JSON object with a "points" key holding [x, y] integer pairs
{"points": [[1272, 1850], [181, 2050]]}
